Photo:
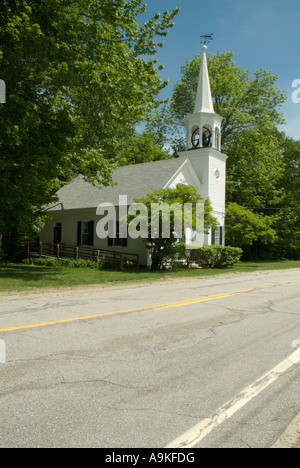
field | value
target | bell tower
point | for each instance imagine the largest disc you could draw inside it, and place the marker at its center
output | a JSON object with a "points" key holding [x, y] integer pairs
{"points": [[203, 127], [203, 149]]}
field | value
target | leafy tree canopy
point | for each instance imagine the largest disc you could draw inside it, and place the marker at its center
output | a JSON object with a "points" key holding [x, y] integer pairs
{"points": [[80, 74], [243, 227], [140, 148]]}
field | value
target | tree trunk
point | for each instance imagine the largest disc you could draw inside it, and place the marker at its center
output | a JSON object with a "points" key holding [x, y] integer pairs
{"points": [[156, 263], [12, 244]]}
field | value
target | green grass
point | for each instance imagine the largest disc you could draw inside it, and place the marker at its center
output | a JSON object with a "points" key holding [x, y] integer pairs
{"points": [[19, 277]]}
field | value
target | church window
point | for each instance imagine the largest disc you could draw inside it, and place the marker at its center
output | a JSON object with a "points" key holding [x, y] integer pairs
{"points": [[85, 233], [217, 236], [116, 240]]}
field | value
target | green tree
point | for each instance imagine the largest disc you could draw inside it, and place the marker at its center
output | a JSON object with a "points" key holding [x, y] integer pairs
{"points": [[244, 228], [80, 75], [291, 176], [141, 148], [254, 169], [287, 216], [163, 248]]}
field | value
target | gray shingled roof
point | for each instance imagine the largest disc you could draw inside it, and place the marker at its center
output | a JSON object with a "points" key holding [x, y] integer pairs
{"points": [[134, 181]]}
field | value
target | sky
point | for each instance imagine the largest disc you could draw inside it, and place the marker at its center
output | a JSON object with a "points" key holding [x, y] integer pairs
{"points": [[261, 33]]}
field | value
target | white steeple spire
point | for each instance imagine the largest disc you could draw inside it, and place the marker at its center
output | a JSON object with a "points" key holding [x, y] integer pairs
{"points": [[204, 101], [203, 127]]}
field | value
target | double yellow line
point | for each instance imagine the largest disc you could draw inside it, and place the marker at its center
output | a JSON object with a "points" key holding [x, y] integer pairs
{"points": [[168, 305]]}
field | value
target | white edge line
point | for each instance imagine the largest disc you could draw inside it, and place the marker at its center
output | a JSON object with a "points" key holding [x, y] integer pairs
{"points": [[195, 435]]}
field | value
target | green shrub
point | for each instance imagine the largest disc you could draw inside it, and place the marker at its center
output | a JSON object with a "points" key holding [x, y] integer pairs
{"points": [[48, 262], [109, 265], [102, 264], [128, 264], [80, 263], [188, 255], [213, 256], [62, 263]]}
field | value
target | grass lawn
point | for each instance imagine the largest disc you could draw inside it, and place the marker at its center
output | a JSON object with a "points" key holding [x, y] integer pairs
{"points": [[19, 277]]}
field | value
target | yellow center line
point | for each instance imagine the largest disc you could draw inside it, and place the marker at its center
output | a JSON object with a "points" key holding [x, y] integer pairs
{"points": [[168, 305], [198, 301]]}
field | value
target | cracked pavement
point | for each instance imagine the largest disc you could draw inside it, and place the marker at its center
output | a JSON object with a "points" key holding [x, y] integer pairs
{"points": [[142, 378]]}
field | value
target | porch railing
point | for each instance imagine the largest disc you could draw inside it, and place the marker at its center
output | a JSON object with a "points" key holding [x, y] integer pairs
{"points": [[61, 251]]}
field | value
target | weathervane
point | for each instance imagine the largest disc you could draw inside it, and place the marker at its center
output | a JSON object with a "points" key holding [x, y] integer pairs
{"points": [[207, 38]]}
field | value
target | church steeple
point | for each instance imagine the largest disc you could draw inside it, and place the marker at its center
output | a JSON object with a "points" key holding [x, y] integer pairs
{"points": [[204, 102], [203, 127], [203, 151]]}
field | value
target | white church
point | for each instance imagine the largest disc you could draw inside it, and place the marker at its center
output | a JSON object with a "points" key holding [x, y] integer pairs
{"points": [[202, 165]]}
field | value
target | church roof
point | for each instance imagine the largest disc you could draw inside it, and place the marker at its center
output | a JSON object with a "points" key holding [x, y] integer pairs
{"points": [[135, 181]]}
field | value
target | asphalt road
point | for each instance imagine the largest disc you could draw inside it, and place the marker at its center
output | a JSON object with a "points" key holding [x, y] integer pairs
{"points": [[198, 363]]}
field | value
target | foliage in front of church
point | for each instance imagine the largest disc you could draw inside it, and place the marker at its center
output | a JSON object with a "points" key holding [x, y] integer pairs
{"points": [[164, 250], [210, 256]]}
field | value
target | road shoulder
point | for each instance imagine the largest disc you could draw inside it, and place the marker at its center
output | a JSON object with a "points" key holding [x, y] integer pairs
{"points": [[291, 437], [34, 293]]}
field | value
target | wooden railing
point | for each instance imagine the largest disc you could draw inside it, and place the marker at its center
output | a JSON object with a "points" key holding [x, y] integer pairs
{"points": [[61, 251]]}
